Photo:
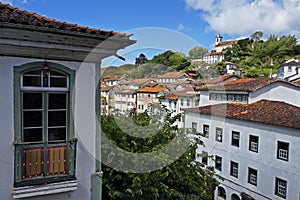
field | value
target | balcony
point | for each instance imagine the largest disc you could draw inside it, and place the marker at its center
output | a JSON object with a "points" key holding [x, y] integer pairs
{"points": [[44, 162]]}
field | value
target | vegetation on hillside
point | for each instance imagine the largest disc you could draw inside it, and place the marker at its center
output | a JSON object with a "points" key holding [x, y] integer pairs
{"points": [[183, 179], [256, 57]]}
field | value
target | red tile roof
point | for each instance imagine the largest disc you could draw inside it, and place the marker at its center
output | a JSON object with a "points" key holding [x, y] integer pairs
{"points": [[151, 88], [244, 84], [171, 75], [263, 111], [12, 15], [222, 79]]}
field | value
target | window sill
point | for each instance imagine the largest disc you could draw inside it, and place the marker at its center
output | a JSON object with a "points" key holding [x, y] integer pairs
{"points": [[39, 190]]}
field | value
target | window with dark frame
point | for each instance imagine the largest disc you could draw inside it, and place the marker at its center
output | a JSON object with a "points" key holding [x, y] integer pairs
{"points": [[204, 157], [235, 139], [253, 143], [283, 150], [194, 126], [219, 134], [45, 145], [206, 130], [218, 163], [280, 187], [252, 176], [234, 169]]}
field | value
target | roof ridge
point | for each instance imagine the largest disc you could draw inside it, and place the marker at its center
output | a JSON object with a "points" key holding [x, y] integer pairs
{"points": [[14, 15]]}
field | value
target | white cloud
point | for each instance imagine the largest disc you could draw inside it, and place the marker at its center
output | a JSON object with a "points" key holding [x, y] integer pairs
{"points": [[247, 16], [7, 1], [180, 27]]}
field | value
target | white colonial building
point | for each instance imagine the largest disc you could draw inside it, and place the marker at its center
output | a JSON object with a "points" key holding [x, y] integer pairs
{"points": [[249, 90], [254, 148], [50, 101], [289, 70]]}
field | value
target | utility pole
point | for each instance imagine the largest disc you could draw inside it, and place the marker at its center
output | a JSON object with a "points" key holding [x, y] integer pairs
{"points": [[271, 67]]}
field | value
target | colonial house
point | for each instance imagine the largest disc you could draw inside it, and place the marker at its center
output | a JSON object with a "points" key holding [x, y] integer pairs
{"points": [[170, 77], [254, 148], [213, 57], [148, 96], [289, 70], [112, 80], [249, 90], [124, 99], [181, 95], [50, 101]]}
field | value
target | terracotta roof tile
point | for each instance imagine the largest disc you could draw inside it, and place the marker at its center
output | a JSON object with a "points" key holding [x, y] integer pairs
{"points": [[244, 84], [12, 15], [171, 75], [221, 79], [263, 111]]}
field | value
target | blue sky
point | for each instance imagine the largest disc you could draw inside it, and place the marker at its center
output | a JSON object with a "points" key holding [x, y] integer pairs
{"points": [[186, 22]]}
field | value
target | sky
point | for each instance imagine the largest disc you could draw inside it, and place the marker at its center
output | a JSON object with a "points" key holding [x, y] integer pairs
{"points": [[177, 25]]}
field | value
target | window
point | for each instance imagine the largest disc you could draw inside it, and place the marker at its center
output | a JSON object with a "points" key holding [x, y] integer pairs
{"points": [[234, 169], [235, 140], [194, 126], [219, 132], [283, 150], [181, 102], [188, 102], [253, 143], [204, 157], [252, 176], [45, 147], [218, 163], [280, 187], [206, 130]]}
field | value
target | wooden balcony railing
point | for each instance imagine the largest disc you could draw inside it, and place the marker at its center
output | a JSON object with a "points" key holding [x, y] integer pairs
{"points": [[42, 162]]}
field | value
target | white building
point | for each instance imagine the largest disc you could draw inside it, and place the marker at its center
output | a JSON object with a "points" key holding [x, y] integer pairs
{"points": [[170, 77], [289, 70], [50, 102], [254, 148], [249, 90]]}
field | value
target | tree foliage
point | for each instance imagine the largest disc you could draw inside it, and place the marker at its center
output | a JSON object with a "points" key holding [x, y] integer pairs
{"points": [[254, 53], [183, 179], [197, 52]]}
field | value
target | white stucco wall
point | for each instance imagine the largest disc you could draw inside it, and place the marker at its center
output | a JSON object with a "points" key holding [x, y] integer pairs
{"points": [[85, 123], [277, 91], [265, 161]]}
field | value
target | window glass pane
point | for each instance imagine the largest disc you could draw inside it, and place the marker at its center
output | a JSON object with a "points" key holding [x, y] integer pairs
{"points": [[58, 82], [32, 81], [56, 134], [56, 118], [32, 101], [55, 73], [32, 118], [57, 101], [33, 72], [33, 135]]}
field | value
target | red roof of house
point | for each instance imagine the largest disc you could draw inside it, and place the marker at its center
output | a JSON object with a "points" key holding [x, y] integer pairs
{"points": [[13, 15], [243, 84], [263, 111], [171, 75]]}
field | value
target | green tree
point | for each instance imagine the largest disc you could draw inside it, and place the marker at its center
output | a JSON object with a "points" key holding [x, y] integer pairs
{"points": [[141, 59], [197, 52], [183, 179]]}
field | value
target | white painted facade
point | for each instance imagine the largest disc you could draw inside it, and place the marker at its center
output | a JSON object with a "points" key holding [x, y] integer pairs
{"points": [[85, 128], [265, 161]]}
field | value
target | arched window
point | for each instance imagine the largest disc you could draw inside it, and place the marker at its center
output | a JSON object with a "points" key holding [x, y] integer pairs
{"points": [[44, 137], [221, 193], [235, 197]]}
